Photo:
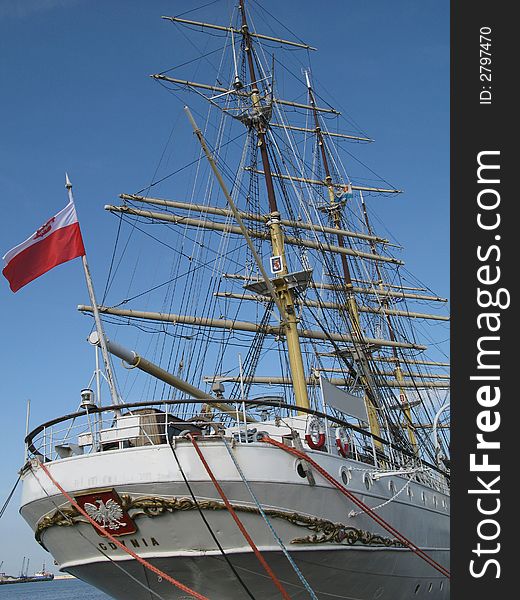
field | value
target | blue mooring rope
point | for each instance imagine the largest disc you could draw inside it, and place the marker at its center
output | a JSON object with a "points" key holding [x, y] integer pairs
{"points": [[268, 522]]}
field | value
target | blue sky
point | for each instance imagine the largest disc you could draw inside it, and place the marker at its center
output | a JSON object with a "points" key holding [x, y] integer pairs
{"points": [[76, 97]]}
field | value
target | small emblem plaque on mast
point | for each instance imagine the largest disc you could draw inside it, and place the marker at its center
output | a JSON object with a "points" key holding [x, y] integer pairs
{"points": [[276, 264]]}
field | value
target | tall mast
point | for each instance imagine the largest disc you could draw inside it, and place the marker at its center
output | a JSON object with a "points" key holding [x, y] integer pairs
{"points": [[259, 122], [371, 401]]}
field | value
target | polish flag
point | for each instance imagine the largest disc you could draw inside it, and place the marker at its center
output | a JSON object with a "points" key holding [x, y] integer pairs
{"points": [[55, 242]]}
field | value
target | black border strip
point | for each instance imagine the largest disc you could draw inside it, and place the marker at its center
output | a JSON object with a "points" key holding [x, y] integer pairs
{"points": [[475, 128]]}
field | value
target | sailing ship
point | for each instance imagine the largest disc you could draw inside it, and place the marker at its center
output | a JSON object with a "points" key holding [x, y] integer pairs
{"points": [[292, 438]]}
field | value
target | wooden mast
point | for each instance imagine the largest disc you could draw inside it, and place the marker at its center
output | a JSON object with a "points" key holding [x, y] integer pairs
{"points": [[218, 226], [371, 401], [233, 30], [236, 325], [275, 229]]}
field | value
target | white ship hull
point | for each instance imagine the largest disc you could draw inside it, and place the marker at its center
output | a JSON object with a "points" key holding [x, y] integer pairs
{"points": [[347, 573], [176, 540]]}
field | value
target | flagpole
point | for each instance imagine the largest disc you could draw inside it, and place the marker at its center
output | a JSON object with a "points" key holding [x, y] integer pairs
{"points": [[97, 318]]}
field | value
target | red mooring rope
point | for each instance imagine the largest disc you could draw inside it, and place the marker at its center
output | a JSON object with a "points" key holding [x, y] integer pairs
{"points": [[144, 562], [405, 541], [239, 523]]}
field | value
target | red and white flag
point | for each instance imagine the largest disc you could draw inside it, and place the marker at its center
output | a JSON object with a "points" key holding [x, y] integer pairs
{"points": [[55, 242]]}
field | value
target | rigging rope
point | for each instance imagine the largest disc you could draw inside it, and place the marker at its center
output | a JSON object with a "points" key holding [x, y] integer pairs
{"points": [[377, 518], [253, 356], [232, 512], [115, 541], [354, 513], [11, 493], [98, 549], [212, 533], [268, 522]]}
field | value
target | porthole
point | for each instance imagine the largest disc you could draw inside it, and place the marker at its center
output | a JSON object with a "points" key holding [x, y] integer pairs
{"points": [[444, 505], [423, 497], [410, 492], [346, 475], [435, 501], [391, 487], [300, 469], [418, 587], [430, 587], [441, 585], [367, 480]]}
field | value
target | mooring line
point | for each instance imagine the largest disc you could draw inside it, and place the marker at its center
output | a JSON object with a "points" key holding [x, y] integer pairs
{"points": [[206, 522], [239, 523], [405, 541], [11, 494], [97, 548], [114, 540], [269, 524]]}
